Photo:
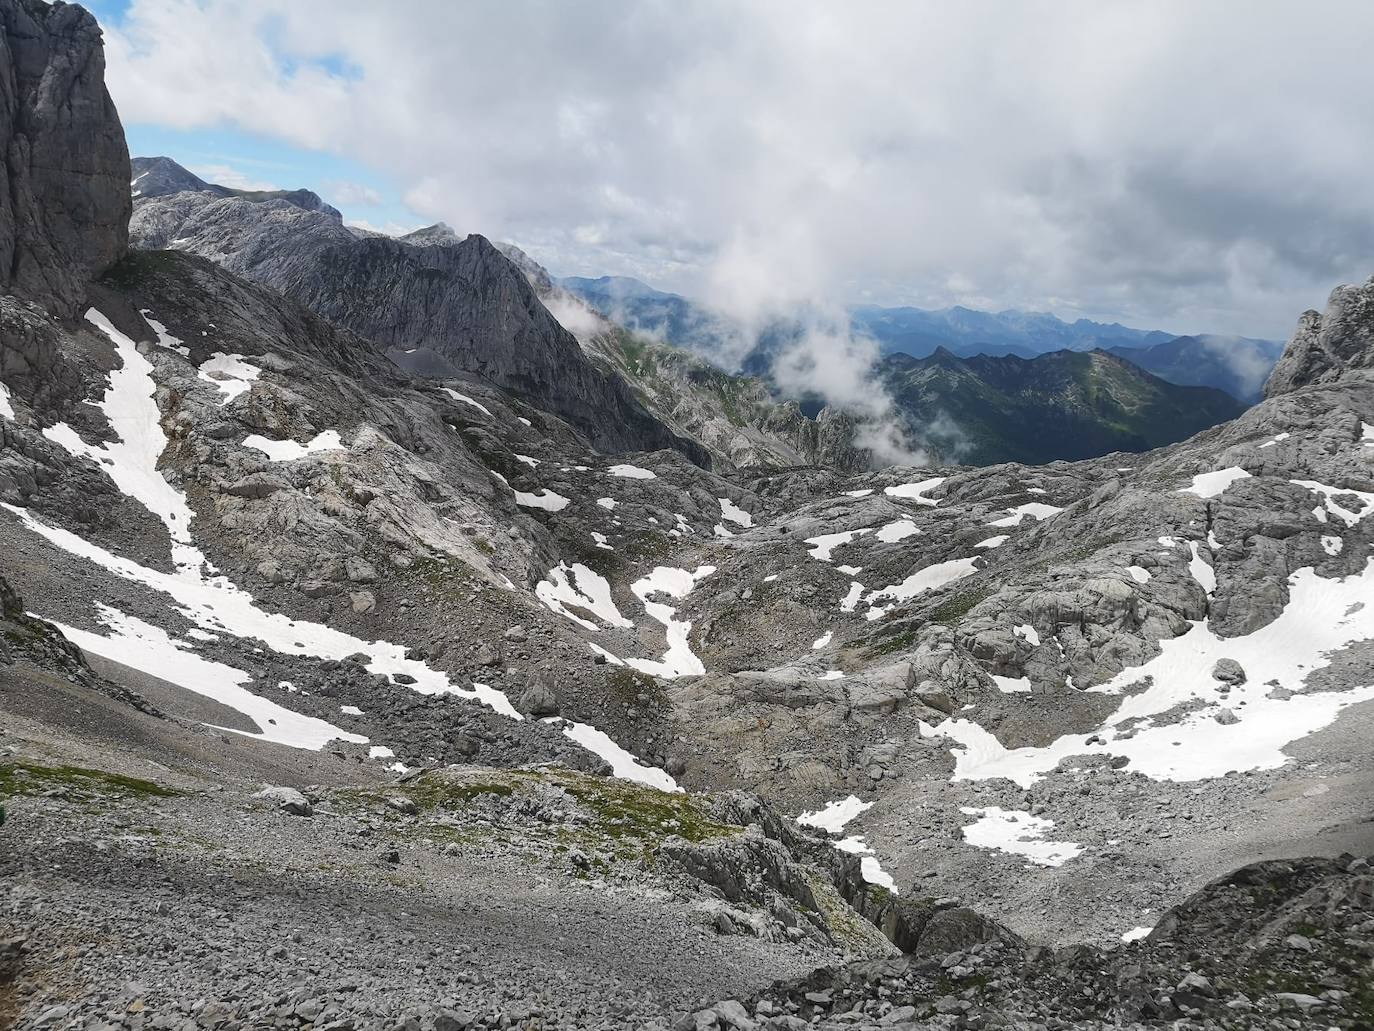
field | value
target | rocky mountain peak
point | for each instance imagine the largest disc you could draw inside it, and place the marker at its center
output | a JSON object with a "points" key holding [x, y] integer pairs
{"points": [[163, 177], [1328, 344], [64, 214]]}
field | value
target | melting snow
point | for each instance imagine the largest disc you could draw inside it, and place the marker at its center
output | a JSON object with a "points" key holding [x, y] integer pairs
{"points": [[822, 641], [898, 531], [607, 503], [729, 510], [1203, 573], [1019, 833], [1335, 507], [6, 409], [869, 866], [228, 372], [1037, 510], [919, 582], [623, 764], [915, 491], [1136, 933], [1332, 545], [166, 339], [823, 545], [678, 660], [531, 462], [468, 401], [1322, 616], [1139, 574], [1012, 685], [994, 542], [832, 674], [631, 472], [1209, 485], [835, 815], [290, 450], [1275, 440], [146, 647], [851, 600], [865, 492], [583, 588], [1028, 634]]}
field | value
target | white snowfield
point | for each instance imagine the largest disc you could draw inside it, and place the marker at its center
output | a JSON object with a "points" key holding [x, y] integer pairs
{"points": [[919, 582], [229, 373], [290, 450], [468, 401], [6, 408], [832, 820], [623, 764], [581, 587], [1017, 833], [916, 491], [822, 546], [1037, 510], [1323, 615], [1209, 485], [678, 660], [835, 815], [1336, 508], [632, 472], [898, 531], [146, 647], [729, 510]]}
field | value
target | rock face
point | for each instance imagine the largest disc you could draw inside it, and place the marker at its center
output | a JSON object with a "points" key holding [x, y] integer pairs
{"points": [[162, 177], [1328, 344], [462, 304], [64, 209]]}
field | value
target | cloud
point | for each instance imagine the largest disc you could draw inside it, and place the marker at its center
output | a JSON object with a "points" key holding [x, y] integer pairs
{"points": [[232, 177], [1172, 164], [351, 194]]}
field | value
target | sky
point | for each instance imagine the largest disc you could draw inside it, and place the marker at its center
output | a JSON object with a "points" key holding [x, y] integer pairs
{"points": [[1195, 167]]}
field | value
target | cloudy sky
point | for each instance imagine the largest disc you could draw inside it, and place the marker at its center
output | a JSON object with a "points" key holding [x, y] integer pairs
{"points": [[1188, 166]]}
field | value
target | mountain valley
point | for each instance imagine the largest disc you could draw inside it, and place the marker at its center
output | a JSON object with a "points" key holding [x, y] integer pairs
{"points": [[394, 635]]}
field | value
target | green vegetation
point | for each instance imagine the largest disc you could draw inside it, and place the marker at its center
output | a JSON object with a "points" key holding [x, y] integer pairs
{"points": [[18, 778], [955, 608]]}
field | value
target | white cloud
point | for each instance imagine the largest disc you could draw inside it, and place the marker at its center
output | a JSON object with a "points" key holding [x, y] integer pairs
{"points": [[1195, 166], [350, 194], [234, 178]]}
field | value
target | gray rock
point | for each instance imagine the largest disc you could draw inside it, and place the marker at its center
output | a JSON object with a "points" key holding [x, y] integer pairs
{"points": [[288, 800], [362, 601], [1229, 671], [65, 209], [538, 698]]}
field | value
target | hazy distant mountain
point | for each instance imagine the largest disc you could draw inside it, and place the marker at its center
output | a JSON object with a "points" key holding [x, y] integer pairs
{"points": [[1237, 365], [919, 332], [1061, 405]]}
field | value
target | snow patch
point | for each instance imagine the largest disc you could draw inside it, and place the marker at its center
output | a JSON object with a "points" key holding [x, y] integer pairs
{"points": [[229, 373], [898, 531], [822, 546], [1037, 510], [468, 401], [631, 472], [1209, 485], [729, 510], [1018, 833], [678, 660], [833, 817], [582, 588], [623, 764], [290, 450]]}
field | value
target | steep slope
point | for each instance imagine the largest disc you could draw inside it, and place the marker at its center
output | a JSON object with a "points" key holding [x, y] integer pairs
{"points": [[64, 207], [1328, 344], [1061, 405], [736, 417], [464, 304], [1237, 365]]}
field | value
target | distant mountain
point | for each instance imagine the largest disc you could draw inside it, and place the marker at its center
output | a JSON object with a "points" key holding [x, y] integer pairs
{"points": [[964, 331], [163, 177], [1061, 405], [667, 317], [1237, 365]]}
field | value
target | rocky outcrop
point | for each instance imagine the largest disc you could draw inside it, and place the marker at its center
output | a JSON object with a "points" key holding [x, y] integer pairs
{"points": [[461, 303], [163, 177], [1327, 344], [64, 199]]}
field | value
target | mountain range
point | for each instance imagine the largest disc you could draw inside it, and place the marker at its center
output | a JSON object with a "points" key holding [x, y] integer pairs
{"points": [[1237, 365], [494, 693]]}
